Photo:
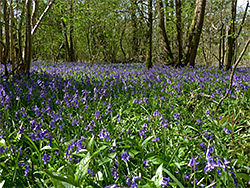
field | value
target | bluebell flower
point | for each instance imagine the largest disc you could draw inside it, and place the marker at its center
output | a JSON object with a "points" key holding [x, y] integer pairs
{"points": [[125, 156], [227, 131], [145, 163], [156, 139], [193, 163], [46, 158], [176, 116], [27, 170]]}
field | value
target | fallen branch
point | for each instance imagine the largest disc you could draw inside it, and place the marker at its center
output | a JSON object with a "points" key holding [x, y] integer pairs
{"points": [[232, 74]]}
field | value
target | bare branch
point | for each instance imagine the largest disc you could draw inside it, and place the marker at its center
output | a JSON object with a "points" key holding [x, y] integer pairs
{"points": [[41, 17], [243, 20], [232, 74]]}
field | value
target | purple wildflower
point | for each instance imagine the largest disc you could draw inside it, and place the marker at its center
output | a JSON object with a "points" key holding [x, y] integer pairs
{"points": [[156, 139], [193, 163], [125, 156], [46, 158], [27, 170]]}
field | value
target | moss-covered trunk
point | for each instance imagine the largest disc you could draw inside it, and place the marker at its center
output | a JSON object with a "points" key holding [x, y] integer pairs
{"points": [[149, 63], [195, 33]]}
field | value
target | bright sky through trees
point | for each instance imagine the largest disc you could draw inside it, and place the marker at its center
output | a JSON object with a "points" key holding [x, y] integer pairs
{"points": [[242, 2]]}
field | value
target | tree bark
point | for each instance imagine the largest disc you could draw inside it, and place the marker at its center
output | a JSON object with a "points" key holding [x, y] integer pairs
{"points": [[163, 35], [195, 32], [179, 32], [135, 46], [66, 40], [71, 31], [149, 63], [28, 38], [1, 35], [7, 37], [20, 49], [12, 46], [230, 38]]}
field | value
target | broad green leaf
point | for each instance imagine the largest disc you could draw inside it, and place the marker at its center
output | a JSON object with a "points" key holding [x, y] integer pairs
{"points": [[46, 148], [2, 184], [244, 176], [158, 178], [63, 178], [91, 145], [2, 143], [144, 143], [82, 169]]}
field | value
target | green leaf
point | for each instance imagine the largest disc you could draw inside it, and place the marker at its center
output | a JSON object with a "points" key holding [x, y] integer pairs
{"points": [[82, 168], [244, 176], [91, 144], [2, 143], [2, 184], [31, 143], [158, 178], [174, 178], [144, 143], [63, 178], [46, 148]]}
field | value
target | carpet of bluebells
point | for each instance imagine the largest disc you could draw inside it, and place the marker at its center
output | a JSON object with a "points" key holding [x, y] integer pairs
{"points": [[102, 125]]}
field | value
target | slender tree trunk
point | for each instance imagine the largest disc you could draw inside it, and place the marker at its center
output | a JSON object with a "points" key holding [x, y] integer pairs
{"points": [[20, 47], [169, 18], [149, 63], [67, 50], [28, 38], [195, 32], [179, 32], [220, 47], [71, 52], [164, 39], [34, 13], [203, 51], [1, 34], [12, 46], [135, 46], [121, 39], [71, 34], [7, 38], [230, 38]]}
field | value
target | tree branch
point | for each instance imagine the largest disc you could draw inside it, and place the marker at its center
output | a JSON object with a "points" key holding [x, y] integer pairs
{"points": [[41, 17], [243, 20], [232, 74]]}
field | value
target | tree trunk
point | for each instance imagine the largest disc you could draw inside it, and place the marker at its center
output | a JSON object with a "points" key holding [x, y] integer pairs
{"points": [[149, 63], [20, 49], [71, 52], [230, 38], [1, 35], [134, 30], [164, 39], [179, 32], [12, 46], [221, 47], [67, 49], [195, 32], [28, 38], [7, 38], [71, 31]]}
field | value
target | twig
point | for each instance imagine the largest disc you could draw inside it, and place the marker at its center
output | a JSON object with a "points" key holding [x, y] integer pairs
{"points": [[232, 74]]}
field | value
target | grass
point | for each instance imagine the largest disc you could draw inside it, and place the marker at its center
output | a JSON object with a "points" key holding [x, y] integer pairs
{"points": [[82, 125]]}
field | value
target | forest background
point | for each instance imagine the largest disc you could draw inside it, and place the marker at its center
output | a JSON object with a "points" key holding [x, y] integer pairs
{"points": [[172, 32]]}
